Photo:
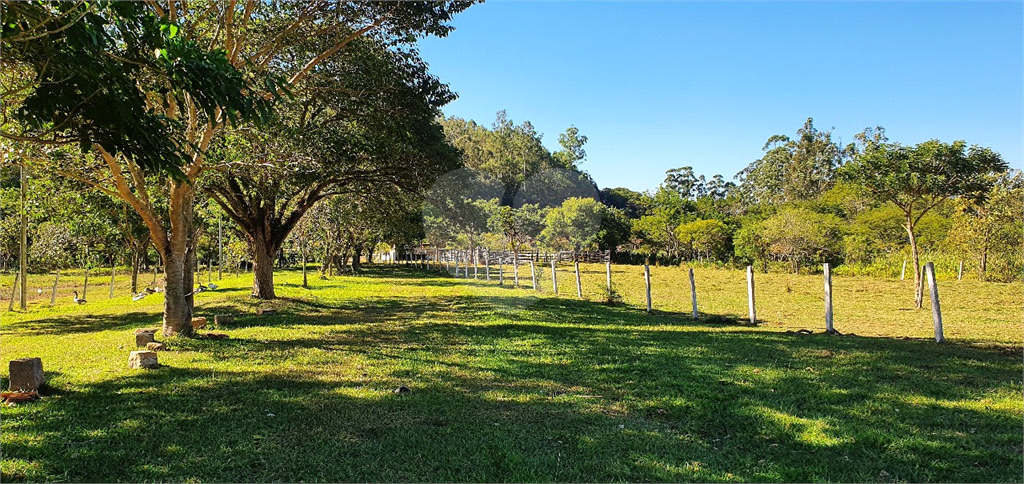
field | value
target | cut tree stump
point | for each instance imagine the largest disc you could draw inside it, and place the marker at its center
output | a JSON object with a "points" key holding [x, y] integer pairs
{"points": [[26, 374], [154, 346], [198, 323]]}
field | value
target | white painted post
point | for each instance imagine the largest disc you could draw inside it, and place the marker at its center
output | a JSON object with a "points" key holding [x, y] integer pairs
{"points": [[693, 294], [960, 271], [554, 277], [515, 269], [533, 276], [903, 272], [929, 270], [579, 287], [647, 281], [112, 272], [501, 270], [750, 295], [53, 294], [608, 273], [828, 299], [476, 265], [448, 262], [487, 265]]}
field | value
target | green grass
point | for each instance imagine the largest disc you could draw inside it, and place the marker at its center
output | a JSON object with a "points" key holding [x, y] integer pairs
{"points": [[511, 385]]}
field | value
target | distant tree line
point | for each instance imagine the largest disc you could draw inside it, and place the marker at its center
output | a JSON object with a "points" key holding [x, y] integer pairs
{"points": [[864, 207]]}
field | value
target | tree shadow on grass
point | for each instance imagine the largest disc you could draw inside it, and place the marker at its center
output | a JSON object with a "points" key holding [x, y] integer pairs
{"points": [[86, 323], [533, 400], [523, 388]]}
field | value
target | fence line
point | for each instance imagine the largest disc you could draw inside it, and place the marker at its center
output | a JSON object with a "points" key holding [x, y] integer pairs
{"points": [[462, 258]]}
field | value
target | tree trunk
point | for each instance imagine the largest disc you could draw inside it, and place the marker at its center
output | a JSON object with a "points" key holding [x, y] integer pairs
{"points": [[177, 283], [357, 255], [984, 263], [263, 267], [135, 273], [369, 254], [326, 264], [918, 289], [138, 257]]}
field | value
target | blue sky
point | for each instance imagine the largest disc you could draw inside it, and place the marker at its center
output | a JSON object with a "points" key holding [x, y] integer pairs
{"points": [[658, 85]]}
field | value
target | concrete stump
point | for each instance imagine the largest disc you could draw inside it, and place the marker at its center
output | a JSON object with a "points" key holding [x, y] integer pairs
{"points": [[198, 323], [223, 319], [26, 374], [142, 359], [154, 346], [143, 339]]}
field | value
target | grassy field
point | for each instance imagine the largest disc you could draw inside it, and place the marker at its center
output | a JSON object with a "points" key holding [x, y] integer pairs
{"points": [[512, 385]]}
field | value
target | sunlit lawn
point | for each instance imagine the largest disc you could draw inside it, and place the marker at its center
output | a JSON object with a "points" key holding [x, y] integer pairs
{"points": [[512, 385]]}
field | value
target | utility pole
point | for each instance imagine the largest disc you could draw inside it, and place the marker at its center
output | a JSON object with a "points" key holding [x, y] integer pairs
{"points": [[23, 258]]}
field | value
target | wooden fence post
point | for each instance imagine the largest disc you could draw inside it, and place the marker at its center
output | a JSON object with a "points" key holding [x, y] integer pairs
{"points": [[554, 278], [85, 285], [305, 282], [608, 273], [933, 287], [960, 271], [515, 269], [579, 287], [53, 294], [501, 270], [14, 291], [112, 273], [903, 272], [828, 299], [154, 275], [487, 265], [693, 294], [476, 265], [647, 282], [750, 295], [533, 276]]}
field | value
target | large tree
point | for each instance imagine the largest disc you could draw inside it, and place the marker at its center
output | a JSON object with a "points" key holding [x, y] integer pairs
{"points": [[994, 226], [917, 179], [364, 122], [793, 169], [576, 225], [219, 63]]}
